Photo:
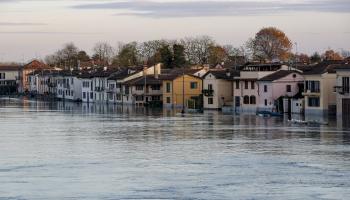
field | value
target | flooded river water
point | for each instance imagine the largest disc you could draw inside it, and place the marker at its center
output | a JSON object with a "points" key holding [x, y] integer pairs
{"points": [[70, 151]]}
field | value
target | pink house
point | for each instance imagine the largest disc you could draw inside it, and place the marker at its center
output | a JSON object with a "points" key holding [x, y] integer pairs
{"points": [[248, 90], [276, 86]]}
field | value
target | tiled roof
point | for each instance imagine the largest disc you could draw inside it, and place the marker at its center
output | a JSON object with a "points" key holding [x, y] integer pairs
{"points": [[150, 80], [10, 67], [278, 75], [175, 76], [46, 72], [35, 64], [322, 67], [223, 74], [345, 66]]}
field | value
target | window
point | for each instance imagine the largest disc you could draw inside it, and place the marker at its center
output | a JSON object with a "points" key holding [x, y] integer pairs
{"points": [[126, 89], [253, 85], [210, 101], [155, 87], [155, 98], [313, 86], [139, 98], [72, 81], [139, 87], [265, 88], [246, 100], [289, 88], [210, 87], [237, 84], [314, 102], [2, 76], [265, 102], [245, 84], [346, 84], [110, 96], [84, 95], [91, 95], [168, 87], [194, 85], [111, 86], [252, 100], [168, 100]]}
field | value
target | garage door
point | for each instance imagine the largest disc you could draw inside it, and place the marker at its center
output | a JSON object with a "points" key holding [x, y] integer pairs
{"points": [[346, 110]]}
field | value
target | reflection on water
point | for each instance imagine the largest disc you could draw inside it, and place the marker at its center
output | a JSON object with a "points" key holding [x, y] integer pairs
{"points": [[79, 151]]}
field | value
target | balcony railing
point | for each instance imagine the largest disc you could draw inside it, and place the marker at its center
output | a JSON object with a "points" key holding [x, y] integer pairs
{"points": [[99, 89], [208, 93], [312, 92], [341, 89], [52, 85]]}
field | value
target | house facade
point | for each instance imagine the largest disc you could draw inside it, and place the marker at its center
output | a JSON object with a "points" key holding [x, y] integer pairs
{"points": [[128, 92], [9, 79], [218, 89], [246, 88], [319, 84], [87, 88], [29, 69], [278, 89], [182, 91], [342, 90], [69, 86]]}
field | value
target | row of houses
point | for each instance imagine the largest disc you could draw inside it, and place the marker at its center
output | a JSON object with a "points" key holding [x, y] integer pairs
{"points": [[320, 89]]}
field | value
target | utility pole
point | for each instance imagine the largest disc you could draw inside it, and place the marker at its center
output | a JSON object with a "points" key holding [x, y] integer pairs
{"points": [[183, 90]]}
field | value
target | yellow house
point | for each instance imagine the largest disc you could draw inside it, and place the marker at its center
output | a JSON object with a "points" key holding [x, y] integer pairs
{"points": [[180, 88]]}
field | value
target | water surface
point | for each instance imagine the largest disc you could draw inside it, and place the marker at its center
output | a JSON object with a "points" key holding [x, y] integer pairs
{"points": [[69, 151]]}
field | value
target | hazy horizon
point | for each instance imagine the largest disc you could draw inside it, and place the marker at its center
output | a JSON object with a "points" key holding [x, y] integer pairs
{"points": [[35, 28]]}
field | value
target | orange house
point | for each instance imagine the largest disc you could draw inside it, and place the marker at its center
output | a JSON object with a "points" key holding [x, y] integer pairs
{"points": [[27, 70]]}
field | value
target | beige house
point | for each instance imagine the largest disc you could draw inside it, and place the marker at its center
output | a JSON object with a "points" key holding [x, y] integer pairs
{"points": [[217, 89], [342, 89], [9, 79], [319, 84]]}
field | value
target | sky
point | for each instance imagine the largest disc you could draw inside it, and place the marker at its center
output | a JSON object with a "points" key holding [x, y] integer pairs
{"points": [[35, 28]]}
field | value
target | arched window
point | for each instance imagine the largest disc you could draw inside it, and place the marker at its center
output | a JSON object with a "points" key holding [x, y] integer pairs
{"points": [[246, 100], [252, 100]]}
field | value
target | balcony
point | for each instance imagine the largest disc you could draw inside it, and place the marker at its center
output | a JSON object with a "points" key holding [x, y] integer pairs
{"points": [[341, 90], [66, 86], [208, 93], [312, 92], [99, 89], [52, 85]]}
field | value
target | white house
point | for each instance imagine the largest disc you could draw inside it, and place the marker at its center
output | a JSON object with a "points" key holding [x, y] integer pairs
{"points": [[342, 89], [69, 86], [218, 88], [87, 87], [9, 79]]}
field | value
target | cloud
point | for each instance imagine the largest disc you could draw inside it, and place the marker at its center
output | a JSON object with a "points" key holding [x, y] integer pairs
{"points": [[21, 24], [48, 33], [148, 8]]}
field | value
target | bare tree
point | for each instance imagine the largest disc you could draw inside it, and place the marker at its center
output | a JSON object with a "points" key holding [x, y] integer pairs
{"points": [[104, 52], [197, 49]]}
